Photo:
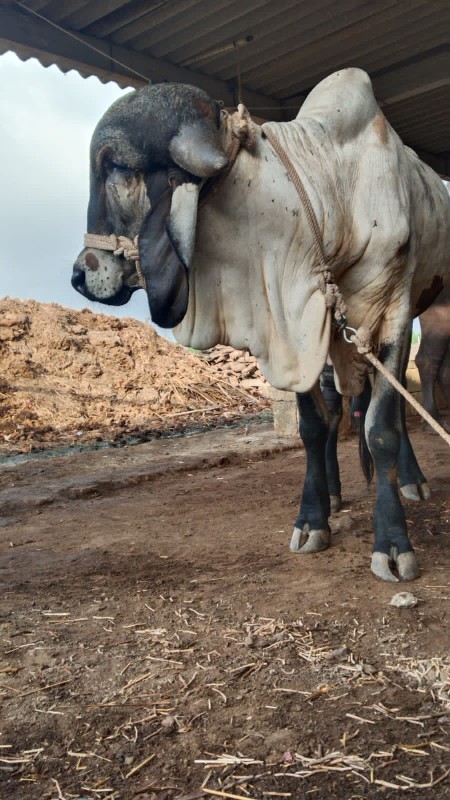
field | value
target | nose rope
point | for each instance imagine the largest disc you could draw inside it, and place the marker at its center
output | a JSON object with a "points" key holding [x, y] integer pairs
{"points": [[120, 246]]}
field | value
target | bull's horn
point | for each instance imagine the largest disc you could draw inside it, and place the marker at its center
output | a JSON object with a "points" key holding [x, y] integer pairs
{"points": [[197, 149]]}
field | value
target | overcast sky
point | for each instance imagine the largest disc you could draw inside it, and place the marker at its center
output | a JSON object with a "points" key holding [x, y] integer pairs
{"points": [[46, 123]]}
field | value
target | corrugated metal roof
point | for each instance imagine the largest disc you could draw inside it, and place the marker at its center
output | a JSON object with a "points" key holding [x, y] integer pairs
{"points": [[270, 53]]}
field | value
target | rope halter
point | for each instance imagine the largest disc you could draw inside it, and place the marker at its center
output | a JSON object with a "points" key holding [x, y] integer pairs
{"points": [[120, 246]]}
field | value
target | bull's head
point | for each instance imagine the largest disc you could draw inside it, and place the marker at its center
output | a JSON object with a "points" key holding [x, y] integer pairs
{"points": [[149, 154]]}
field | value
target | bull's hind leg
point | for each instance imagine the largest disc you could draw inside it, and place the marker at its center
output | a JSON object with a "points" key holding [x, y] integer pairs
{"points": [[383, 432], [413, 484], [333, 402], [312, 532]]}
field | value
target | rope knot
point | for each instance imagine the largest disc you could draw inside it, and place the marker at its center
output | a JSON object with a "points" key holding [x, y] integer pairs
{"points": [[362, 340], [127, 247], [242, 127], [333, 296], [119, 245]]}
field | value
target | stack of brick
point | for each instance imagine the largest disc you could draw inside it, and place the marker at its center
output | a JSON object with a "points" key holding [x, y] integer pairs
{"points": [[238, 368]]}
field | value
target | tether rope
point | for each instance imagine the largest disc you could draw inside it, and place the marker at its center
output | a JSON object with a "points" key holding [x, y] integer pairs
{"points": [[363, 348]]}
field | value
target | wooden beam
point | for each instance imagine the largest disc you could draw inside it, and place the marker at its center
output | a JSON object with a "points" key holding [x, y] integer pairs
{"points": [[31, 37], [440, 163], [90, 13], [431, 71]]}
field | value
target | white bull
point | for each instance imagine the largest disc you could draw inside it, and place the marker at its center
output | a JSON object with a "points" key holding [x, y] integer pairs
{"points": [[242, 267]]}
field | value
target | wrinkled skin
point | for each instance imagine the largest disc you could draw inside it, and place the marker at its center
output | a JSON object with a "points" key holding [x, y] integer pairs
{"points": [[245, 273]]}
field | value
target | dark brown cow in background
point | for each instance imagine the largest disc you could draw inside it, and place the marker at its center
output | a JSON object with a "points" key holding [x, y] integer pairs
{"points": [[433, 356]]}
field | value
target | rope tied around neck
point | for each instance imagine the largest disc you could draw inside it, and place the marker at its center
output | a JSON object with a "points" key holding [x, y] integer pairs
{"points": [[243, 135], [243, 127], [327, 285]]}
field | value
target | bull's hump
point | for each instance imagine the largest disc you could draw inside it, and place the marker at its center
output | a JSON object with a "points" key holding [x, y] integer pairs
{"points": [[345, 101]]}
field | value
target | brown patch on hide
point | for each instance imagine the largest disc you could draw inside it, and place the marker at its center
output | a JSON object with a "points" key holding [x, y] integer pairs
{"points": [[91, 262], [380, 127], [429, 295], [393, 475]]}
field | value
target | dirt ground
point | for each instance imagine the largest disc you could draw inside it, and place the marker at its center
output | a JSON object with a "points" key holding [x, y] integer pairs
{"points": [[160, 641]]}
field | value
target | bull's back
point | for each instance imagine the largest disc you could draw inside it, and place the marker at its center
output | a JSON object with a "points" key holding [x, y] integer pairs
{"points": [[430, 234]]}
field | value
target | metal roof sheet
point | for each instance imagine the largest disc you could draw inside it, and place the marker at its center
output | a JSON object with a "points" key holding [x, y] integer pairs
{"points": [[269, 53]]}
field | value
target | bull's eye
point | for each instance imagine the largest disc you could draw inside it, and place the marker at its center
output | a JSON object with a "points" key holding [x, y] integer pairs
{"points": [[123, 168]]}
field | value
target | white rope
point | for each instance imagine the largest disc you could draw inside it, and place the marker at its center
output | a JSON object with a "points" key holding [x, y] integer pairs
{"points": [[363, 347]]}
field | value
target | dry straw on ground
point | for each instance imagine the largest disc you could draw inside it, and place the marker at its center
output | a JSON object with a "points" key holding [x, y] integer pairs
{"points": [[76, 376], [167, 679]]}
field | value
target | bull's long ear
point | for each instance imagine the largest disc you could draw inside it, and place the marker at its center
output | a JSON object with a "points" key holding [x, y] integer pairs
{"points": [[197, 148], [97, 218], [164, 270]]}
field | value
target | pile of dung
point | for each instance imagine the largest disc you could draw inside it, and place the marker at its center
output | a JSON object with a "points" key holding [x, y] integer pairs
{"points": [[71, 376]]}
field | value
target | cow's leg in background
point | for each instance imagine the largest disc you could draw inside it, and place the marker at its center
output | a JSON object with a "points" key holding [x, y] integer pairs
{"points": [[358, 410], [444, 384], [413, 484], [312, 532], [430, 359], [383, 434], [333, 402]]}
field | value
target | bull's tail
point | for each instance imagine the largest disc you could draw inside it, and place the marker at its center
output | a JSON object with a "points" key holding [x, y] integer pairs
{"points": [[358, 411]]}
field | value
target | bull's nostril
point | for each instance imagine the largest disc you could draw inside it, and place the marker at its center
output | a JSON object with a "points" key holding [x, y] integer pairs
{"points": [[78, 279]]}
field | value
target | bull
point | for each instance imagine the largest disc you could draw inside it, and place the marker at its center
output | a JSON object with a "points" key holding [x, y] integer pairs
{"points": [[229, 252]]}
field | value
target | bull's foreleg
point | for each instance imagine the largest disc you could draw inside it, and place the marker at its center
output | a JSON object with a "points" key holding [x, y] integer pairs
{"points": [[383, 433], [312, 532]]}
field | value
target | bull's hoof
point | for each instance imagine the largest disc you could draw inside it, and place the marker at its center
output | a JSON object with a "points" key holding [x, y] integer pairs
{"points": [[413, 491], [405, 564], [306, 541], [335, 503]]}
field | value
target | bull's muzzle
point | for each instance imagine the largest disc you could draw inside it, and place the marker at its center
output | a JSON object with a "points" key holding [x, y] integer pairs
{"points": [[99, 277]]}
